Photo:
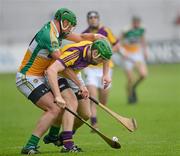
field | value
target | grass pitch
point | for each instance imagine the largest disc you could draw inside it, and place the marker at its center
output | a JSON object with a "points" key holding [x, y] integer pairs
{"points": [[157, 114]]}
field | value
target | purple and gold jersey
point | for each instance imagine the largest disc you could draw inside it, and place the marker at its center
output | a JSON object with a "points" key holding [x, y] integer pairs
{"points": [[75, 55], [107, 33]]}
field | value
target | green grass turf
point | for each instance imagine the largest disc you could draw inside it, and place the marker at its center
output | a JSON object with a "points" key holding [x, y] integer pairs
{"points": [[157, 114]]}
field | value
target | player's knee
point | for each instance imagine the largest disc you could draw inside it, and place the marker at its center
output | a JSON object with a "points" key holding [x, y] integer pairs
{"points": [[130, 80], [144, 75], [55, 111], [73, 104], [86, 115], [103, 100], [70, 99]]}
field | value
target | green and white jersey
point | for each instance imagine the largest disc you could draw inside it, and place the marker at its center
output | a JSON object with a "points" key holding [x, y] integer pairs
{"points": [[131, 38], [37, 57]]}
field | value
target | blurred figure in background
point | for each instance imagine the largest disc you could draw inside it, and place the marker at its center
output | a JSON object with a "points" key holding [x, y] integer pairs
{"points": [[133, 41], [177, 26], [93, 74]]}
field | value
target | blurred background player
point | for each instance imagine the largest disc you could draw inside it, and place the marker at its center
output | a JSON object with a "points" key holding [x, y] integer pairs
{"points": [[93, 74], [133, 41]]}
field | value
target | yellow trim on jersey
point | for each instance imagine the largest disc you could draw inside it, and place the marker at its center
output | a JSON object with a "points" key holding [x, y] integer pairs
{"points": [[55, 29], [69, 57], [53, 36], [132, 48], [110, 36], [84, 52], [79, 44]]}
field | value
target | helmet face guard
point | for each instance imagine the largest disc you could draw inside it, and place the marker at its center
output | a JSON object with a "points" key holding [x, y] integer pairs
{"points": [[65, 14], [96, 58], [93, 59], [67, 27], [103, 48]]}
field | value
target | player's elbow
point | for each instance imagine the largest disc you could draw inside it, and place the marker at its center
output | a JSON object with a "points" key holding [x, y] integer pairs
{"points": [[55, 55], [54, 68], [51, 71], [75, 37], [144, 74]]}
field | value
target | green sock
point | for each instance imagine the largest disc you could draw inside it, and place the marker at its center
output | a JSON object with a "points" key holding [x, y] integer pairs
{"points": [[33, 141], [54, 131]]}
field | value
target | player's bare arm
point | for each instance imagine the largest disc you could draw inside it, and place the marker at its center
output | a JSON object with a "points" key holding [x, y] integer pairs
{"points": [[52, 73], [87, 36], [106, 79], [116, 47], [70, 74], [55, 55]]}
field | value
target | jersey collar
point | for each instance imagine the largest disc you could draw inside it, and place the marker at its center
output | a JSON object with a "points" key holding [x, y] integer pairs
{"points": [[85, 52]]}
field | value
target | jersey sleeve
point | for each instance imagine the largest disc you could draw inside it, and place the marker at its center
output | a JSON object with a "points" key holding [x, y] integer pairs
{"points": [[68, 58], [111, 37]]}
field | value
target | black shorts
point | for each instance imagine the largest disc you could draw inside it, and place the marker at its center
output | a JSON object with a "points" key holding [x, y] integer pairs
{"points": [[78, 96], [42, 89]]}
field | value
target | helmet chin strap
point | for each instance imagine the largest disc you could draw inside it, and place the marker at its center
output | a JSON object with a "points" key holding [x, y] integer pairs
{"points": [[97, 56], [91, 59]]}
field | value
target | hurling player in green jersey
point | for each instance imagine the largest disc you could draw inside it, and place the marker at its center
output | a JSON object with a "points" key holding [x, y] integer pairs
{"points": [[134, 43], [30, 79]]}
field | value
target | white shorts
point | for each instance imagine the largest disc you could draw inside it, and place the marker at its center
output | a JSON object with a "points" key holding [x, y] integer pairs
{"points": [[32, 87], [73, 86], [93, 76], [128, 64]]}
